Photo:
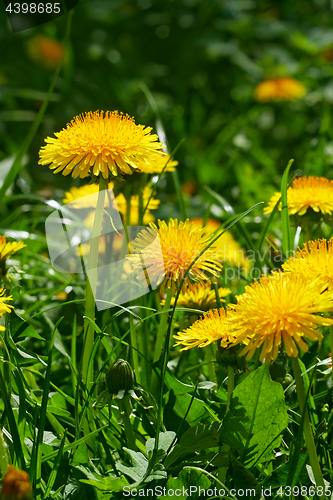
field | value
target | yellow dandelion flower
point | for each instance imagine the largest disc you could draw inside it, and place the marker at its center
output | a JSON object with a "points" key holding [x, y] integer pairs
{"points": [[280, 309], [314, 260], [7, 250], [97, 143], [15, 485], [4, 308], [279, 89], [179, 243], [157, 166], [79, 199], [211, 327], [227, 248], [306, 192], [200, 296]]}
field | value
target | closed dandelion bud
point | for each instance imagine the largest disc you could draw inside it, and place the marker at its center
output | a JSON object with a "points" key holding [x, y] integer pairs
{"points": [[120, 377], [15, 485]]}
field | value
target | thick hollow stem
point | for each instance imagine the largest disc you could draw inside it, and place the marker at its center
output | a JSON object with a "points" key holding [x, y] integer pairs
{"points": [[162, 326], [310, 444], [125, 409], [91, 284], [231, 385]]}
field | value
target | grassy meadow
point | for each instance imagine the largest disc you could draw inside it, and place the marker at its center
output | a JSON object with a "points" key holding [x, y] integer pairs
{"points": [[187, 149]]}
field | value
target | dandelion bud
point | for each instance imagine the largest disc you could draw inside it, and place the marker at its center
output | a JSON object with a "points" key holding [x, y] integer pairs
{"points": [[15, 485], [120, 377]]}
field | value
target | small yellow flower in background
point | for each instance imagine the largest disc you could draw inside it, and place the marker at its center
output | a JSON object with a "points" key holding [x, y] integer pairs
{"points": [[7, 249], [200, 296], [227, 248], [280, 309], [45, 50], [279, 89], [314, 260], [75, 194], [134, 215], [180, 243], [15, 485], [4, 308], [109, 143], [211, 327], [157, 166], [306, 192]]}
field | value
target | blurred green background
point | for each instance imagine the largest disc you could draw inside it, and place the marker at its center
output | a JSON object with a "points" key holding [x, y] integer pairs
{"points": [[201, 60]]}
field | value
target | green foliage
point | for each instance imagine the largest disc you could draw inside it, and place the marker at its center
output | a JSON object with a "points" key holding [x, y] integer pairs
{"points": [[256, 419]]}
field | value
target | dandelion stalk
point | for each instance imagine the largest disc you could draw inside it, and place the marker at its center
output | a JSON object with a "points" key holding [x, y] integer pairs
{"points": [[231, 385], [125, 408], [162, 326], [307, 428], [91, 284]]}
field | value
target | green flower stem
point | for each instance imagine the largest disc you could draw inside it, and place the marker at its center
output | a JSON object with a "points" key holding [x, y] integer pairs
{"points": [[134, 344], [310, 444], [210, 358], [91, 285], [231, 385], [125, 408], [162, 326], [3, 456]]}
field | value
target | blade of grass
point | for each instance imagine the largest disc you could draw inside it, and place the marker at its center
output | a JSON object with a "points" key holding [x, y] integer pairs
{"points": [[36, 464], [286, 240], [19, 458], [55, 468]]}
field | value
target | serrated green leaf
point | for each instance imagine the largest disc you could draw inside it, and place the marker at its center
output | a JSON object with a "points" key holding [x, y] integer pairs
{"points": [[110, 484], [257, 416], [165, 440], [140, 470], [200, 437]]}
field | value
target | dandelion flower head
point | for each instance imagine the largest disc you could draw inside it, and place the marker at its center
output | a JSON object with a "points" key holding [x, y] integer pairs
{"points": [[109, 143], [314, 260], [211, 327], [179, 243], [15, 485], [4, 308], [280, 309], [306, 192], [200, 296], [279, 89], [7, 249], [163, 163]]}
